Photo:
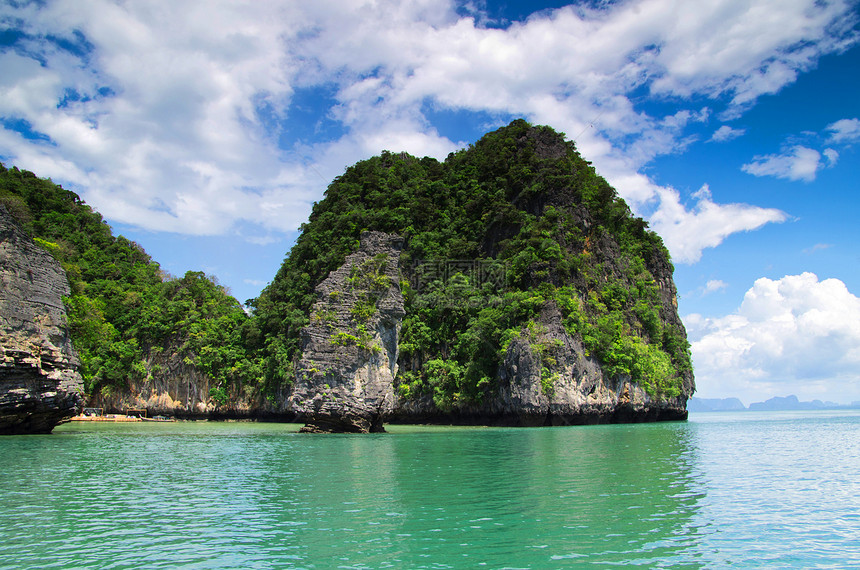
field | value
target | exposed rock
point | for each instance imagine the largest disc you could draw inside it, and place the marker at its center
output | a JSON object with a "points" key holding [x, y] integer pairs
{"points": [[173, 387], [345, 379], [176, 387], [547, 379], [40, 386], [346, 375]]}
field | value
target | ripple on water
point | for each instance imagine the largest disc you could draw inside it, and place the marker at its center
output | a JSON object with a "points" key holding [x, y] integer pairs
{"points": [[717, 493]]}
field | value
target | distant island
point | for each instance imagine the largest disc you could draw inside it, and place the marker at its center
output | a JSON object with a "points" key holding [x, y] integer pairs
{"points": [[777, 403], [715, 405]]}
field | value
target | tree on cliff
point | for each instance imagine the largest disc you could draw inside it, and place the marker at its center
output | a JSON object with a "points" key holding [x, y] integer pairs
{"points": [[521, 204], [123, 306], [501, 234]]}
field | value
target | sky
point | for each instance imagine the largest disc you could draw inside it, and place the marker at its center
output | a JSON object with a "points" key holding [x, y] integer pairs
{"points": [[205, 130]]}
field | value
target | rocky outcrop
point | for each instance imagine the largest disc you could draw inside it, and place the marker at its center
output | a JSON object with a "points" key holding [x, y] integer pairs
{"points": [[345, 378], [548, 379], [172, 387], [175, 387], [40, 386]]}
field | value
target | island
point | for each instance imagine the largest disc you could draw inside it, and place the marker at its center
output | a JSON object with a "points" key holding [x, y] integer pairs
{"points": [[506, 285]]}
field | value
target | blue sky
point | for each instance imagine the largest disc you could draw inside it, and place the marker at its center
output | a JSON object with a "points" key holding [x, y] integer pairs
{"points": [[205, 130]]}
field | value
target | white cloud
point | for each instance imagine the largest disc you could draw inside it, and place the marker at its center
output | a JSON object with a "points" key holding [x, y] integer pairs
{"points": [[687, 232], [726, 133], [817, 247], [795, 335], [181, 106], [713, 286], [179, 142], [845, 131], [797, 163]]}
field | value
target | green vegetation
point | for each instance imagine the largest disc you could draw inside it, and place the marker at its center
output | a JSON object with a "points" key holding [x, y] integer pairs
{"points": [[362, 339], [520, 203], [498, 236], [123, 309]]}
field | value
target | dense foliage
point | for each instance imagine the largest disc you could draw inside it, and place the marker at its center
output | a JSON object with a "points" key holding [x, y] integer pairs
{"points": [[497, 235], [123, 309], [520, 199]]}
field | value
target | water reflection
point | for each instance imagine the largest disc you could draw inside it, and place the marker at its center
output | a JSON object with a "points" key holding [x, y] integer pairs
{"points": [[454, 497], [256, 496], [782, 488]]}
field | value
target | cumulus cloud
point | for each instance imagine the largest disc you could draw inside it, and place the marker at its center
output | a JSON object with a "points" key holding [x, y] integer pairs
{"points": [[796, 163], [158, 112], [799, 162], [795, 335], [179, 115], [845, 131], [726, 133]]}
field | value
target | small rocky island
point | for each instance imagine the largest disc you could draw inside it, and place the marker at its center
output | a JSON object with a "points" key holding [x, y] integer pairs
{"points": [[506, 285], [509, 285], [40, 386]]}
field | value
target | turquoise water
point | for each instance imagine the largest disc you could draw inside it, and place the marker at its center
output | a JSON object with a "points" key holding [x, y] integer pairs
{"points": [[745, 490]]}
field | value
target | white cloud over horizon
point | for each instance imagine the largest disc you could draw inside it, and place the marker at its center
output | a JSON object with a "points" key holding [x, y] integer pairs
{"points": [[173, 116], [793, 335]]}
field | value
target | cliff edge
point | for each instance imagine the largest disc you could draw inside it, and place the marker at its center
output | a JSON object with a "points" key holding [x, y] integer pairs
{"points": [[40, 386]]}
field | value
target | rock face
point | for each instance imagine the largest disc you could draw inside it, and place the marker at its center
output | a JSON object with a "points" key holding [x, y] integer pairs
{"points": [[39, 381], [179, 389], [345, 378], [175, 387], [573, 389]]}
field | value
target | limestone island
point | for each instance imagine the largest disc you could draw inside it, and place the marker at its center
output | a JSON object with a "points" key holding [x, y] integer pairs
{"points": [[507, 285]]}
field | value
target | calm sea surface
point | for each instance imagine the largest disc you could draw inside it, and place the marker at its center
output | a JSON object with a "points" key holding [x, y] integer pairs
{"points": [[746, 490]]}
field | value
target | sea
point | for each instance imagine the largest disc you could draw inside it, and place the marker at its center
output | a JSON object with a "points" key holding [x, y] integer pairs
{"points": [[740, 490]]}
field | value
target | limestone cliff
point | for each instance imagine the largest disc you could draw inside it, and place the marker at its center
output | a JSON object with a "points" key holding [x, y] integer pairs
{"points": [[521, 291], [548, 378], [345, 378], [175, 387], [39, 382], [532, 295]]}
